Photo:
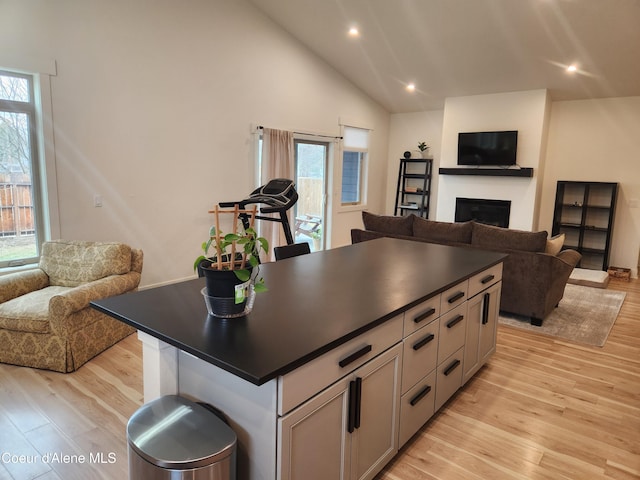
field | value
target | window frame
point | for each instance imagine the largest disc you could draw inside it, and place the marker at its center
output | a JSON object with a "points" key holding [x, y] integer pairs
{"points": [[363, 171], [41, 141]]}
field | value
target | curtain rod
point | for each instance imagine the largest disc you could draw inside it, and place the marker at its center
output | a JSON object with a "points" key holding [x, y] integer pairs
{"points": [[260, 127]]}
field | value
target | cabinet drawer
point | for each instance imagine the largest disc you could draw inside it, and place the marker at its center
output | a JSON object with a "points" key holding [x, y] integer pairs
{"points": [[449, 378], [420, 354], [485, 279], [453, 327], [420, 315], [416, 407], [302, 383], [453, 297]]}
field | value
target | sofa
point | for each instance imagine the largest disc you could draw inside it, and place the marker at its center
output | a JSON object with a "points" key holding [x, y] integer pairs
{"points": [[535, 272], [45, 318]]}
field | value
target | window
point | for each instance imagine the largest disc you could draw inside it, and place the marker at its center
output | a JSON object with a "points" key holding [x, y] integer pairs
{"points": [[21, 214], [354, 158]]}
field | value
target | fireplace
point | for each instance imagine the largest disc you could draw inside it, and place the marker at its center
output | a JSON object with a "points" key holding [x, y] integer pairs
{"points": [[490, 212]]}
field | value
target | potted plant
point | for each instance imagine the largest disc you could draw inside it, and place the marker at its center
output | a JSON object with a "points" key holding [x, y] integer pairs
{"points": [[230, 264], [423, 147], [316, 237]]}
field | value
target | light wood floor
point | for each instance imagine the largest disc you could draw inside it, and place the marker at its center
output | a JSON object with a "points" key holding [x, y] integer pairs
{"points": [[541, 409]]}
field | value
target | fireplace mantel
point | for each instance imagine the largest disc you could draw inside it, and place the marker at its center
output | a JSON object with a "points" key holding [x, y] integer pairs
{"points": [[493, 172]]}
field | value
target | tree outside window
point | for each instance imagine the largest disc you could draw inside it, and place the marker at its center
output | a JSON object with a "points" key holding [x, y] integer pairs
{"points": [[19, 211]]}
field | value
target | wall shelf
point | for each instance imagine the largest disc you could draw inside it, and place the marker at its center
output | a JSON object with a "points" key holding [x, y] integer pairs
{"points": [[492, 172]]}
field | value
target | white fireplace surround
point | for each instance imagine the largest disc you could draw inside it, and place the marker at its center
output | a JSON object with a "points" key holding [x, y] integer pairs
{"points": [[526, 112], [520, 192]]}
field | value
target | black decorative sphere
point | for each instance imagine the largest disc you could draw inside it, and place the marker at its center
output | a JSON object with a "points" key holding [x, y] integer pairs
{"points": [[407, 154]]}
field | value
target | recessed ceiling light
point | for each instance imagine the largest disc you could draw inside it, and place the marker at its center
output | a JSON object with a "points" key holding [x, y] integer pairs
{"points": [[572, 69], [411, 87], [354, 32]]}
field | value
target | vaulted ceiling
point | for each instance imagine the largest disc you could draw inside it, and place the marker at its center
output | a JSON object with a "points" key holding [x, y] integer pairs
{"points": [[450, 48]]}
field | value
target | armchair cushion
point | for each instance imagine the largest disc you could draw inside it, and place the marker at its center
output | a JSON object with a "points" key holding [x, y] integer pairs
{"points": [[71, 263], [29, 312]]}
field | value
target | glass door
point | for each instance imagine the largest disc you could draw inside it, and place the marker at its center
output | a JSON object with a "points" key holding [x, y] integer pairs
{"points": [[310, 210]]}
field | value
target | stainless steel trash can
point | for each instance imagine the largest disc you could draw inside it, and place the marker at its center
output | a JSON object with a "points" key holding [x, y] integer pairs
{"points": [[174, 438]]}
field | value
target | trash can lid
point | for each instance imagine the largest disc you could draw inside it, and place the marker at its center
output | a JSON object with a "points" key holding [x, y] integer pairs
{"points": [[176, 433]]}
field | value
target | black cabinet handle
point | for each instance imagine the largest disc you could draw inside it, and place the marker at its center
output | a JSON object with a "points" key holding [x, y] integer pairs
{"points": [[451, 367], [455, 297], [485, 308], [455, 321], [421, 343], [351, 426], [487, 279], [356, 422], [424, 315], [420, 395], [354, 356]]}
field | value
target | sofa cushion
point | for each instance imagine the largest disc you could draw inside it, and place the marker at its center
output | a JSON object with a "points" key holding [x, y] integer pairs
{"points": [[388, 224], [30, 312], [442, 232], [554, 244], [72, 263], [498, 238]]}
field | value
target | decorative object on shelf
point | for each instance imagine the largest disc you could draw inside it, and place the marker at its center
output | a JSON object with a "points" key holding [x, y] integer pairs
{"points": [[232, 272], [407, 154], [423, 147], [414, 186]]}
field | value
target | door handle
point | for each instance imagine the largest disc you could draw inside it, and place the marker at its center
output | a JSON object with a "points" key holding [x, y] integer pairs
{"points": [[424, 315], [352, 407], [355, 356], [420, 395], [421, 343], [451, 367], [456, 297], [455, 321], [356, 422], [485, 308], [487, 279]]}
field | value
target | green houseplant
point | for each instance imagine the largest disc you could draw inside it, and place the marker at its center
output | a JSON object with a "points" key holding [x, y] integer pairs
{"points": [[230, 264], [423, 147]]}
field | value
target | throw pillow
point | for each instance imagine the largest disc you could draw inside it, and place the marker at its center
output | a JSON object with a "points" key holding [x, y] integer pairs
{"points": [[442, 232], [388, 224], [554, 244], [497, 238]]}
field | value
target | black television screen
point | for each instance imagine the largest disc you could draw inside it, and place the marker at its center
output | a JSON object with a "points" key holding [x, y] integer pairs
{"points": [[487, 148]]}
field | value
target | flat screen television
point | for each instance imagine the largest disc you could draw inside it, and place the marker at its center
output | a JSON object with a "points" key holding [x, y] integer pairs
{"points": [[487, 148]]}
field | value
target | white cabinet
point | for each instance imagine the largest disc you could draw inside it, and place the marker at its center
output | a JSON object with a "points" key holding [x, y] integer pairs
{"points": [[349, 430], [482, 321], [313, 438]]}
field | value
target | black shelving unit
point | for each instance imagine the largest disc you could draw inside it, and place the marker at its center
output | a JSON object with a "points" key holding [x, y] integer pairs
{"points": [[414, 187], [584, 212]]}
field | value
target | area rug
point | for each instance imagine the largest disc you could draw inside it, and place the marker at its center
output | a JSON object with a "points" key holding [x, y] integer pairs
{"points": [[585, 315]]}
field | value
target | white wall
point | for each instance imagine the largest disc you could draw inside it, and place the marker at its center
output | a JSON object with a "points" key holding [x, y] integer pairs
{"points": [[521, 111], [599, 140], [153, 105]]}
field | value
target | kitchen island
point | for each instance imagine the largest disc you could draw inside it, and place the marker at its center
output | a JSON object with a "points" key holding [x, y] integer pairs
{"points": [[315, 379]]}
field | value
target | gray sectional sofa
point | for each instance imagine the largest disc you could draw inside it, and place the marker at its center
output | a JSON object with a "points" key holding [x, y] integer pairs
{"points": [[535, 272]]}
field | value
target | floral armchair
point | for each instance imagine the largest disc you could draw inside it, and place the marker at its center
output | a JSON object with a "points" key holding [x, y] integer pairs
{"points": [[45, 317]]}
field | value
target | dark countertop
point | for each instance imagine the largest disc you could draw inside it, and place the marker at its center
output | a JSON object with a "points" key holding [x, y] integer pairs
{"points": [[315, 302]]}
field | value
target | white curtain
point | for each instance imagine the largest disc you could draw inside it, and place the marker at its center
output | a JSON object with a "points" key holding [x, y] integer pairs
{"points": [[277, 162]]}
